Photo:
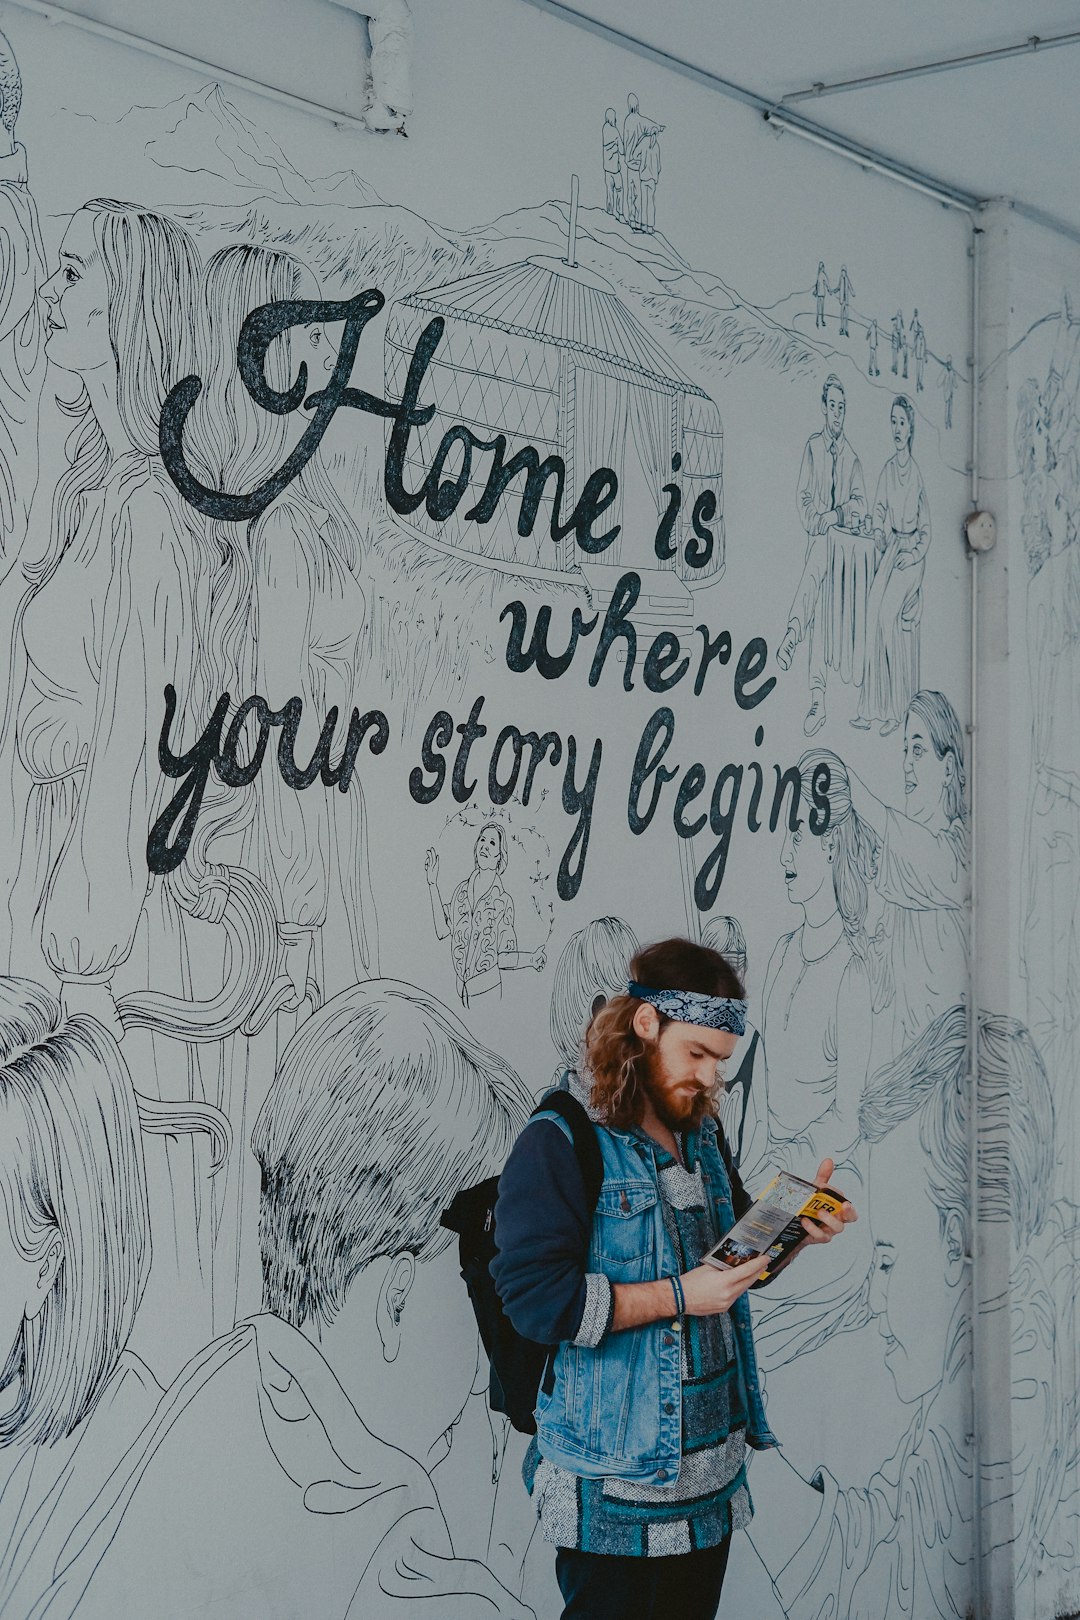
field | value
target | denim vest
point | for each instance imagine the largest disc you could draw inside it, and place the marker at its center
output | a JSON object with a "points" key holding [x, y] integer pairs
{"points": [[615, 1411]]}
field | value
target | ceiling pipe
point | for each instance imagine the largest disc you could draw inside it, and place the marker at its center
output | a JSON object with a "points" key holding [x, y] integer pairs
{"points": [[946, 64], [770, 110], [949, 196], [940, 190]]}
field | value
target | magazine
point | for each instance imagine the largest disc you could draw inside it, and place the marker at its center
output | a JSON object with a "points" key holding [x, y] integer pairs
{"points": [[773, 1226]]}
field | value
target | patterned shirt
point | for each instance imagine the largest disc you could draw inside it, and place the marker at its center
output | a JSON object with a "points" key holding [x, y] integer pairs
{"points": [[711, 1497]]}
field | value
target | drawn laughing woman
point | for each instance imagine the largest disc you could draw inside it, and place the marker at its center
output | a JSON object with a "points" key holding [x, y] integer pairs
{"points": [[922, 876], [479, 919], [74, 1258], [108, 619]]}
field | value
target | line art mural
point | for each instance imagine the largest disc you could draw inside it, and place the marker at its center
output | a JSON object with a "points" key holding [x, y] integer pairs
{"points": [[417, 588]]}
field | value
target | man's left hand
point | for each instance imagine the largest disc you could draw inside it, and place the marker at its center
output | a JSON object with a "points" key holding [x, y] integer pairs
{"points": [[824, 1226]]}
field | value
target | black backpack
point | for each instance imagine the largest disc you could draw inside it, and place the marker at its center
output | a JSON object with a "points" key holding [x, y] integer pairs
{"points": [[517, 1365]]}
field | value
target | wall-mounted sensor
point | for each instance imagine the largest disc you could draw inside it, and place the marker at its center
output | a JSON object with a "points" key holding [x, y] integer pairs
{"points": [[981, 531]]}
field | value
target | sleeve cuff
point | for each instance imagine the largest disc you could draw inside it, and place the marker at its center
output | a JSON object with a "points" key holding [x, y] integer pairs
{"points": [[598, 1312]]}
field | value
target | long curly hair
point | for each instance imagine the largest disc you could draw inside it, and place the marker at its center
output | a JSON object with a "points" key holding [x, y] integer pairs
{"points": [[234, 446], [617, 1058], [152, 275]]}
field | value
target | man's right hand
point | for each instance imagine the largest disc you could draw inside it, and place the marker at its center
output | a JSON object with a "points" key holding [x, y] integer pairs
{"points": [[710, 1290]]}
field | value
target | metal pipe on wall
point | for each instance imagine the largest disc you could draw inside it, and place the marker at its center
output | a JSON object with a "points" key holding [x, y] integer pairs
{"points": [[948, 196], [946, 64]]}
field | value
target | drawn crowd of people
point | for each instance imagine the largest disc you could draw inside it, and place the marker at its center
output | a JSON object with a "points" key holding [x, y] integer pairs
{"points": [[907, 343]]}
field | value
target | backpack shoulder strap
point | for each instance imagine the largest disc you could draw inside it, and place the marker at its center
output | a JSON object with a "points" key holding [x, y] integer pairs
{"points": [[725, 1150], [583, 1136], [740, 1198]]}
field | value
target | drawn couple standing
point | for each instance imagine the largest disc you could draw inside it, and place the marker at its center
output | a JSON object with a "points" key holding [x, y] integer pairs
{"points": [[858, 602]]}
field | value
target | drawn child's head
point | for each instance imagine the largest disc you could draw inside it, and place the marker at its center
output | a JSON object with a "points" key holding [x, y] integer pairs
{"points": [[384, 1106]]}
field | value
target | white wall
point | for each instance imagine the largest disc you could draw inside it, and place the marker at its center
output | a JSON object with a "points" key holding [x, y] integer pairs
{"points": [[1028, 848], [250, 1489]]}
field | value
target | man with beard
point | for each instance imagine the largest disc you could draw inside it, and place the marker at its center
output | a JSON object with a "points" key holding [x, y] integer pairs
{"points": [[652, 1395]]}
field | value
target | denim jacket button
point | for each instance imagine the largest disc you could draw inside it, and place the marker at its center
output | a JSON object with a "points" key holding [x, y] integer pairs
{"points": [[668, 1408], [661, 1473], [668, 1339]]}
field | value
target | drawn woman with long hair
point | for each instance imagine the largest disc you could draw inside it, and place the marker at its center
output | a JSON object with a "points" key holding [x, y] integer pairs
{"points": [[289, 618], [817, 1023], [108, 620], [901, 515], [817, 998], [922, 872], [75, 1248], [286, 618]]}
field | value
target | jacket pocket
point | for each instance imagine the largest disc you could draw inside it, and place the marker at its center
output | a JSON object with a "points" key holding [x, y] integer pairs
{"points": [[624, 1228]]}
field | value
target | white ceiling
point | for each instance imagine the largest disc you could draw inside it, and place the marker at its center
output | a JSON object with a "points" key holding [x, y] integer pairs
{"points": [[998, 129]]}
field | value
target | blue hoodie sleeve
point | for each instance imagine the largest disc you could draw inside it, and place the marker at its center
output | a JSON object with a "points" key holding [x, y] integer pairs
{"points": [[542, 1229]]}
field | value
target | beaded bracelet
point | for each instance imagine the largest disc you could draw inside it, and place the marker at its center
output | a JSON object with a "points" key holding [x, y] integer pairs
{"points": [[680, 1297]]}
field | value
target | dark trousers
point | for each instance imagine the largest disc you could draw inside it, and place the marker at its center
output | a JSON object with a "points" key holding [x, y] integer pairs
{"points": [[599, 1586]]}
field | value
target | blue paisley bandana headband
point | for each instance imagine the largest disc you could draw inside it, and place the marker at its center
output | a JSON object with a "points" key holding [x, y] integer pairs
{"points": [[688, 1007]]}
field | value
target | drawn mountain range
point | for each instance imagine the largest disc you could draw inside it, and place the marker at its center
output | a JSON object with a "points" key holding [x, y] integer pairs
{"points": [[203, 135], [238, 184]]}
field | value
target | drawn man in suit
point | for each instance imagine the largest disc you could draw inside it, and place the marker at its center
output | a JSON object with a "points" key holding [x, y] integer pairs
{"points": [[22, 359], [313, 1427], [832, 491]]}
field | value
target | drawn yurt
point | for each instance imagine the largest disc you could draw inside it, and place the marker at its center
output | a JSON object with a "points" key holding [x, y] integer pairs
{"points": [[545, 352]]}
